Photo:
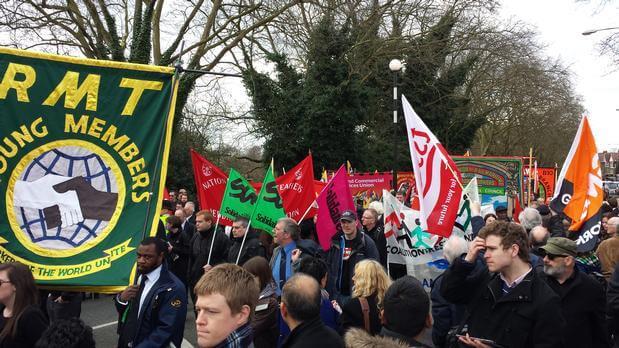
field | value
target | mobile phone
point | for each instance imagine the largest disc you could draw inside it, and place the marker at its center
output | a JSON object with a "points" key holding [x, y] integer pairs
{"points": [[482, 340]]}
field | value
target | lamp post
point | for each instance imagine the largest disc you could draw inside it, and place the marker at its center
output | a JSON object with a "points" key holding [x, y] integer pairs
{"points": [[593, 31], [395, 65]]}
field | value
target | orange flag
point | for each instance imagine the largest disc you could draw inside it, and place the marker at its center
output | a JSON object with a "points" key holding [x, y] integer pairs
{"points": [[579, 193]]}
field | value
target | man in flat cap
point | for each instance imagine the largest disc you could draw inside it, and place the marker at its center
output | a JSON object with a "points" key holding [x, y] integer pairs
{"points": [[582, 297], [348, 246]]}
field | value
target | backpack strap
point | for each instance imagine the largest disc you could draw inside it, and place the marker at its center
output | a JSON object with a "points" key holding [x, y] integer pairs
{"points": [[365, 308]]}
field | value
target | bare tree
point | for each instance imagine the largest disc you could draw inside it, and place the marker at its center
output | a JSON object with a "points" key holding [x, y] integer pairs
{"points": [[140, 31]]}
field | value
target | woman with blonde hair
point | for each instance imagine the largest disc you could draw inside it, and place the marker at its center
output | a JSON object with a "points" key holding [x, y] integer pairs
{"points": [[370, 284]]}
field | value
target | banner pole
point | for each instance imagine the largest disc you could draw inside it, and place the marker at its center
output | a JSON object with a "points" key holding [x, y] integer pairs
{"points": [[210, 250], [529, 180], [306, 211], [243, 243]]}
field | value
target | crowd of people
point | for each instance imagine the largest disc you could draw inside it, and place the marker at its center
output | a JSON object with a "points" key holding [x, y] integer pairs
{"points": [[511, 284]]}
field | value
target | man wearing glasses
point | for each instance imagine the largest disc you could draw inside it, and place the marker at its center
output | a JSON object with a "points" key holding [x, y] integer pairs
{"points": [[582, 297]]}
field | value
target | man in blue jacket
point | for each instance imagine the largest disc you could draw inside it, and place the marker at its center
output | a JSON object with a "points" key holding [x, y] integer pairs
{"points": [[152, 312], [348, 247]]}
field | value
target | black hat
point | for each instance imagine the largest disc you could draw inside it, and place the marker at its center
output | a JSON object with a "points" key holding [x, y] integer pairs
{"points": [[500, 208], [348, 215], [543, 209]]}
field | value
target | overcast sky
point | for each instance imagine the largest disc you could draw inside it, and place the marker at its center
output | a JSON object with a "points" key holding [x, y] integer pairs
{"points": [[560, 24]]}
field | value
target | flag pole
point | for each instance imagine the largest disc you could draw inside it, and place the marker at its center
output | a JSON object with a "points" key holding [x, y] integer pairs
{"points": [[307, 211], [454, 174], [243, 243], [210, 250], [529, 181], [556, 168]]}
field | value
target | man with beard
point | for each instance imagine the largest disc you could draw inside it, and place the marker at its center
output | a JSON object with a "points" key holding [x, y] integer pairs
{"points": [[200, 247], [152, 312], [582, 297], [508, 303], [252, 246]]}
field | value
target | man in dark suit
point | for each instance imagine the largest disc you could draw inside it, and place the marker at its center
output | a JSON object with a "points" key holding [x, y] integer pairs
{"points": [[300, 309], [152, 312]]}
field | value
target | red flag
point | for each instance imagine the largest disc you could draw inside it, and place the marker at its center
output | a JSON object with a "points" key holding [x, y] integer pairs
{"points": [[517, 208], [579, 193], [319, 186], [332, 202], [166, 194], [296, 187], [210, 185], [437, 178]]}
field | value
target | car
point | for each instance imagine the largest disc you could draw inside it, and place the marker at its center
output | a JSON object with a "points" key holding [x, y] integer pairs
{"points": [[612, 187]]}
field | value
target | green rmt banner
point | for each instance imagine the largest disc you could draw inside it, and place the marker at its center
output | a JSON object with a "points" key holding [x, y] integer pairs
{"points": [[83, 156]]}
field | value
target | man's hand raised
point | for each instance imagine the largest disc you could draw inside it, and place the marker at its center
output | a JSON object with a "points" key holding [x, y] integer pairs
{"points": [[475, 247]]}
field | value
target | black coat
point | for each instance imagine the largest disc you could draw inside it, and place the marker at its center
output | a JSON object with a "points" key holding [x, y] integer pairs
{"points": [[378, 236], [313, 334], [528, 316], [445, 315], [178, 258], [200, 246], [30, 328], [584, 308], [251, 248], [352, 315], [189, 229], [363, 248], [613, 305]]}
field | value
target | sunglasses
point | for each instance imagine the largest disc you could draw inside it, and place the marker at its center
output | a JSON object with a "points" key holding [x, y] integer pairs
{"points": [[553, 256]]}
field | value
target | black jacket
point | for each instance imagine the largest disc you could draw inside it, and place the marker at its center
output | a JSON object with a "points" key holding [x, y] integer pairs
{"points": [[363, 247], [313, 334], [30, 328], [613, 305], [178, 258], [528, 316], [189, 229], [378, 236], [445, 315], [251, 248], [584, 308], [200, 246], [352, 315]]}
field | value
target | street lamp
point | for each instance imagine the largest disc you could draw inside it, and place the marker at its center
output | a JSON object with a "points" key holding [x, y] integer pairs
{"points": [[593, 31], [395, 65]]}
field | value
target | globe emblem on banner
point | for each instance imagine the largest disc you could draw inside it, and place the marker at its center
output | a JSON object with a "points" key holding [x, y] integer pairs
{"points": [[65, 198], [206, 170]]}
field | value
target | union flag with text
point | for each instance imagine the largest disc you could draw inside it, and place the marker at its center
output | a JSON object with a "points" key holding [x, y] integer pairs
{"points": [[210, 186], [437, 178], [579, 193], [296, 187]]}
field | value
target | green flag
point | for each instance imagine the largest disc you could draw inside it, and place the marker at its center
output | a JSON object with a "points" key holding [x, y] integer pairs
{"points": [[83, 165], [269, 207], [239, 198]]}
